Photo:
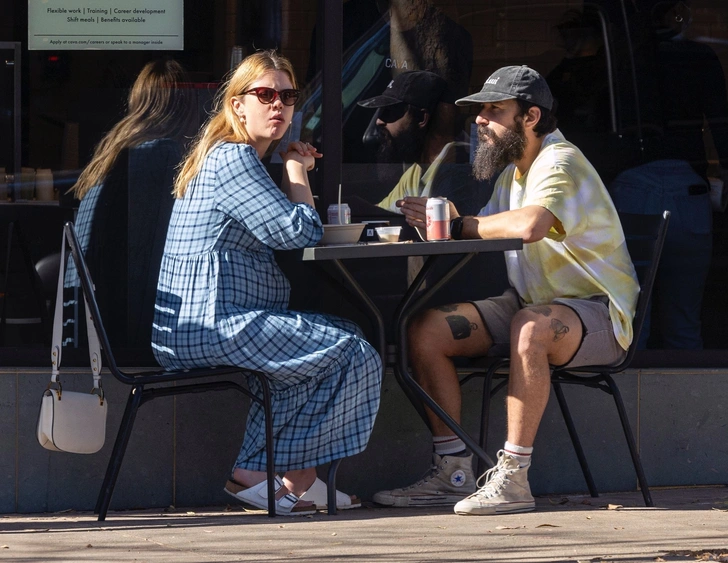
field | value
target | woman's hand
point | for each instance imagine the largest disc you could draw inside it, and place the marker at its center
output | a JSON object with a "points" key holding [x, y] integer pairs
{"points": [[304, 153]]}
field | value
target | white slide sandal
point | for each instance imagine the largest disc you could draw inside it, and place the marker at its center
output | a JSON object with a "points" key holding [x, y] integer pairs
{"points": [[257, 496], [317, 494]]}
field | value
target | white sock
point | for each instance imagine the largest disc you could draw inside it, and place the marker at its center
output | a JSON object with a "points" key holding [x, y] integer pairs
{"points": [[521, 453], [447, 445]]}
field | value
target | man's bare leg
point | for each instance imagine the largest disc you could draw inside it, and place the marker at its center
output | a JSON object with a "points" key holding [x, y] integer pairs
{"points": [[541, 335], [435, 337]]}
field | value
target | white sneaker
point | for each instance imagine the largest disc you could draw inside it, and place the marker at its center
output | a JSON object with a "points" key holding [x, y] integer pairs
{"points": [[506, 490], [449, 480]]}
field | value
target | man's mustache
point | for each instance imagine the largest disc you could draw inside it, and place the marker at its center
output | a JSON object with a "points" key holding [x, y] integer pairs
{"points": [[485, 133]]}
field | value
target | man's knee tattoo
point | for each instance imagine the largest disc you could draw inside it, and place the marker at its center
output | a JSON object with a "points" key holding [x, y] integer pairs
{"points": [[460, 326], [447, 308], [544, 310], [559, 328]]}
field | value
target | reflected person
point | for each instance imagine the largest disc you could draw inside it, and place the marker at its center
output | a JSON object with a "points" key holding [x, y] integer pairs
{"points": [[223, 300], [411, 130], [126, 200], [683, 89]]}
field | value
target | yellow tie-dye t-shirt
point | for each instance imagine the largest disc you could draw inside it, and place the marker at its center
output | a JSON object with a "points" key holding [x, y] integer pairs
{"points": [[584, 254]]}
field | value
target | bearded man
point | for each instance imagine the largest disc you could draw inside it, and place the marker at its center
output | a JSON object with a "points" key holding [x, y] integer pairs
{"points": [[572, 300]]}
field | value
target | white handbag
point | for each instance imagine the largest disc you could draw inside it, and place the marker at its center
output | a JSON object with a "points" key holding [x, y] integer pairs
{"points": [[70, 421]]}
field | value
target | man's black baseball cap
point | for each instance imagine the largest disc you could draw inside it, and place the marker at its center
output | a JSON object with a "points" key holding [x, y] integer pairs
{"points": [[513, 82], [419, 88]]}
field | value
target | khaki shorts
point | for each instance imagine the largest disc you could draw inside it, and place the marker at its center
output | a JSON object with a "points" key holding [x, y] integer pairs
{"points": [[598, 343]]}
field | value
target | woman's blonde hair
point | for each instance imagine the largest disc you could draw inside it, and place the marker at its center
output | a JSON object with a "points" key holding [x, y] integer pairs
{"points": [[158, 107], [224, 124]]}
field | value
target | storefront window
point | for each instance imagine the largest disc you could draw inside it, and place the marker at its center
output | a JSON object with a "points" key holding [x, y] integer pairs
{"points": [[640, 89]]}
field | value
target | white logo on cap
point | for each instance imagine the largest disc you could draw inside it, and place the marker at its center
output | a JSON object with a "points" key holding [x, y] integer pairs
{"points": [[492, 80], [390, 83]]}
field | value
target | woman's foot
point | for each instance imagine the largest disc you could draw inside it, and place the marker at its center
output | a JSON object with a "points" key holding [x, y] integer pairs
{"points": [[299, 482], [296, 482], [286, 503]]}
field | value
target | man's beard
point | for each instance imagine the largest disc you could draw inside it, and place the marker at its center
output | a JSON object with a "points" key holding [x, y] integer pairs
{"points": [[406, 147], [491, 157]]}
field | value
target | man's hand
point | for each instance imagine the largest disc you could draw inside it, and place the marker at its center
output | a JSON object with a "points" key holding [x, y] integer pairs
{"points": [[413, 208]]}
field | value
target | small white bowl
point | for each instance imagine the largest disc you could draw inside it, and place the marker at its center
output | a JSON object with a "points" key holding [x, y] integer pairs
{"points": [[342, 234], [388, 234]]}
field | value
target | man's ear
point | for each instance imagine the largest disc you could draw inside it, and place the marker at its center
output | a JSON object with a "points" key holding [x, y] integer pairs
{"points": [[423, 118], [532, 117]]}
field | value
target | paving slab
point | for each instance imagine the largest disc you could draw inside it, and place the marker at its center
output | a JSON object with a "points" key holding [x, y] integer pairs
{"points": [[686, 525]]}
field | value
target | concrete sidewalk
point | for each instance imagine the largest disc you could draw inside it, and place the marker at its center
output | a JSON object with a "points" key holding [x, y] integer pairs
{"points": [[687, 525]]}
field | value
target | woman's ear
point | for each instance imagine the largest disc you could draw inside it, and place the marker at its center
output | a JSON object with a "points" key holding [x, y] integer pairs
{"points": [[238, 108]]}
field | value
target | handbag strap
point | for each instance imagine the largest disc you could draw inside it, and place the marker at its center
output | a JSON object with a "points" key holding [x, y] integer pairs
{"points": [[94, 348]]}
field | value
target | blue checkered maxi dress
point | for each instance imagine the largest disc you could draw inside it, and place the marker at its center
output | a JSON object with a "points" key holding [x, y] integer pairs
{"points": [[222, 300]]}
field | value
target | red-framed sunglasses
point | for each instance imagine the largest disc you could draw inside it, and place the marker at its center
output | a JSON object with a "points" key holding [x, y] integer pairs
{"points": [[265, 95]]}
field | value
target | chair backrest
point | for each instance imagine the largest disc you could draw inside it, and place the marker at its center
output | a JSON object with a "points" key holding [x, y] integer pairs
{"points": [[87, 286], [645, 236]]}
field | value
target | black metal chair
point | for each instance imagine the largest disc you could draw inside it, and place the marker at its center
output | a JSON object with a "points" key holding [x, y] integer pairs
{"points": [[645, 235], [145, 387]]}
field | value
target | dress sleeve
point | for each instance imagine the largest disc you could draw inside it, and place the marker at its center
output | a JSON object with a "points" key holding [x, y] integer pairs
{"points": [[246, 192]]}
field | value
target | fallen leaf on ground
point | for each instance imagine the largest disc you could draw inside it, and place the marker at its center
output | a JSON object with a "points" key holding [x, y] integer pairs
{"points": [[588, 517], [614, 506], [333, 534], [548, 526], [619, 527], [720, 555], [4, 547], [509, 527], [659, 559], [559, 501], [89, 545]]}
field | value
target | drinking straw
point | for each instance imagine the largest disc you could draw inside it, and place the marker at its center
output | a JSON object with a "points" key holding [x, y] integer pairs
{"points": [[340, 221]]}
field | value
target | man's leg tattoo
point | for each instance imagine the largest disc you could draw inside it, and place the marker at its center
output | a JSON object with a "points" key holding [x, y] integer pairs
{"points": [[460, 326], [544, 310], [559, 328]]}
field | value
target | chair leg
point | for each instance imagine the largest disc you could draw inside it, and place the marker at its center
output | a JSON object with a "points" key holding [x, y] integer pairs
{"points": [[117, 454], [630, 440], [331, 486], [485, 417], [488, 393], [575, 439], [269, 445]]}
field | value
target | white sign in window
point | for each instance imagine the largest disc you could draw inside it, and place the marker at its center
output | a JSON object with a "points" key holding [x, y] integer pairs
{"points": [[106, 25]]}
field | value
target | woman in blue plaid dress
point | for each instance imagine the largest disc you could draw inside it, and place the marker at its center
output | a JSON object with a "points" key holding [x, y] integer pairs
{"points": [[222, 300]]}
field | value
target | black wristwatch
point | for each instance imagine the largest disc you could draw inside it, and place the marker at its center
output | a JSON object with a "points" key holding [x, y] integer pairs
{"points": [[456, 228]]}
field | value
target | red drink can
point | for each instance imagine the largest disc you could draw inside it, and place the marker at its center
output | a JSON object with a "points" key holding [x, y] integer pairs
{"points": [[437, 212]]}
